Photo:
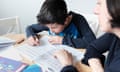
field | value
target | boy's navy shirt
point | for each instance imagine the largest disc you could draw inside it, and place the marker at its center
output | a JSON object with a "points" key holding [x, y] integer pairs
{"points": [[77, 35]]}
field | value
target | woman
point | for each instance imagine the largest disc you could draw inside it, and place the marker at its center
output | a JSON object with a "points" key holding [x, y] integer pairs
{"points": [[108, 12]]}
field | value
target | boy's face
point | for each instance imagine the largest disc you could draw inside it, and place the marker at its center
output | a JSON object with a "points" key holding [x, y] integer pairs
{"points": [[56, 28]]}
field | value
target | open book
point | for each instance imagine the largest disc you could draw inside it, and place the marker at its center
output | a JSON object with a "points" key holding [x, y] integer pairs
{"points": [[43, 54]]}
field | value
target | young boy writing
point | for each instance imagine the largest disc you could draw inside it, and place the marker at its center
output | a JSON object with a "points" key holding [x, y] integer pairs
{"points": [[66, 28]]}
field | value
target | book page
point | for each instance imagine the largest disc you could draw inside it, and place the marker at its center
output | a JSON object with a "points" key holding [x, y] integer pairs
{"points": [[49, 62], [10, 52]]}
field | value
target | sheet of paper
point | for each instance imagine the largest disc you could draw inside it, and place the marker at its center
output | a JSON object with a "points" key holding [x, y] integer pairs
{"points": [[48, 62], [43, 54], [32, 52], [10, 52]]}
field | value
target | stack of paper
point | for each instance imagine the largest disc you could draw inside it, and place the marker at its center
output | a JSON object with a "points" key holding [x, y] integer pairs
{"points": [[5, 42]]}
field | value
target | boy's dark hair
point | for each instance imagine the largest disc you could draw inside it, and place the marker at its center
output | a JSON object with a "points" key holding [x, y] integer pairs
{"points": [[52, 11], [114, 10]]}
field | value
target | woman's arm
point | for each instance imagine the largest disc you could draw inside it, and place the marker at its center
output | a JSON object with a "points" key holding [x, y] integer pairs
{"points": [[94, 55]]}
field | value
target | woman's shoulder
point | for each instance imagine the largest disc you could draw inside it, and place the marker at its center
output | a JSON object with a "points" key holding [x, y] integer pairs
{"points": [[107, 37]]}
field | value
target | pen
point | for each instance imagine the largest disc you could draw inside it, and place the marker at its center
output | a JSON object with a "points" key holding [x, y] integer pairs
{"points": [[50, 69], [36, 37]]}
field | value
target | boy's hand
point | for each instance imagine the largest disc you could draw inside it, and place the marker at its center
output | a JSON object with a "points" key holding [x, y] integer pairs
{"points": [[55, 39], [34, 41], [64, 57]]}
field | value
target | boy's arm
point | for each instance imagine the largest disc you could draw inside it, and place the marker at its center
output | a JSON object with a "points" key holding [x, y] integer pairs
{"points": [[79, 42], [33, 29]]}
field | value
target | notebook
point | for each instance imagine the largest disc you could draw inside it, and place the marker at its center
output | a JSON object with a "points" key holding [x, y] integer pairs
{"points": [[9, 65]]}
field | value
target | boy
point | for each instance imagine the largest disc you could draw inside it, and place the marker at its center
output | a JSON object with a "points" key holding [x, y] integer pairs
{"points": [[66, 28]]}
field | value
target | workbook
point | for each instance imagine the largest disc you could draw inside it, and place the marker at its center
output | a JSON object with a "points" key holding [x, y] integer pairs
{"points": [[9, 65], [43, 54]]}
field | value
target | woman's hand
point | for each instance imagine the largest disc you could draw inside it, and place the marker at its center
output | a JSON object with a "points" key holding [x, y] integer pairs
{"points": [[64, 57], [95, 65]]}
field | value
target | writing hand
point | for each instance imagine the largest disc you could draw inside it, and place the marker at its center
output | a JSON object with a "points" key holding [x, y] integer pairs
{"points": [[33, 40]]}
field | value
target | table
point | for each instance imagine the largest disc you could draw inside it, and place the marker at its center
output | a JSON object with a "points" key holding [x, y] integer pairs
{"points": [[20, 38]]}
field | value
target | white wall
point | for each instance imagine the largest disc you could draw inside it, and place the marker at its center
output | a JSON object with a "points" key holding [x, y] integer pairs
{"points": [[81, 6], [27, 10]]}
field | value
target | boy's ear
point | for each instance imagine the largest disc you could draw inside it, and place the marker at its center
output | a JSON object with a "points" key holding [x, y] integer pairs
{"points": [[68, 19]]}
